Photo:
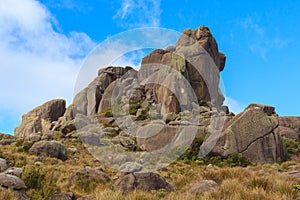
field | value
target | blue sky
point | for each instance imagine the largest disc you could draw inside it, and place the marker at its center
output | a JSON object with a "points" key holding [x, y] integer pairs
{"points": [[43, 44]]}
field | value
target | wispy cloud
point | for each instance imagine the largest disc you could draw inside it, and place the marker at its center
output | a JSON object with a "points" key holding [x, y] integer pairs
{"points": [[138, 13], [262, 40], [37, 62], [234, 106]]}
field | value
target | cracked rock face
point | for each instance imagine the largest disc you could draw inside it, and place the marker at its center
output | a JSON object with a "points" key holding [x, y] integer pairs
{"points": [[253, 133]]}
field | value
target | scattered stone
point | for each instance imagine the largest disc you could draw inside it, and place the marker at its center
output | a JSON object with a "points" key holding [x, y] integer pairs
{"points": [[146, 181], [33, 137], [53, 149], [293, 174], [10, 181], [16, 171], [130, 167], [203, 186], [73, 149], [65, 196], [88, 173], [210, 166], [3, 165]]}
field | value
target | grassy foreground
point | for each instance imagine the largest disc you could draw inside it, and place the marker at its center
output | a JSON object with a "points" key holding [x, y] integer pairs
{"points": [[50, 176]]}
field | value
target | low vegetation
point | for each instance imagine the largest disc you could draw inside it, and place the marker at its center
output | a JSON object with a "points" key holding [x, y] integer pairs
{"points": [[236, 177]]}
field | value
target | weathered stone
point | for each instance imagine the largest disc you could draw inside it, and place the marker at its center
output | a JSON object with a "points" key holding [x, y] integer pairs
{"points": [[32, 138], [269, 110], [88, 173], [289, 127], [49, 149], [64, 196], [293, 174], [5, 142], [10, 181], [88, 100], [157, 136], [253, 133], [16, 171], [39, 119], [105, 103], [130, 167], [146, 181], [203, 186], [197, 61], [3, 165]]}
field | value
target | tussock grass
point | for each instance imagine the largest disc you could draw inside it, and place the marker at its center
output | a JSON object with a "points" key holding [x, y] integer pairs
{"points": [[262, 181]]}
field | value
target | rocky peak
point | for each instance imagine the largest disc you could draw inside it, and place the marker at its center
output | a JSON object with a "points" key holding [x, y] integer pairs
{"points": [[204, 37], [40, 118]]}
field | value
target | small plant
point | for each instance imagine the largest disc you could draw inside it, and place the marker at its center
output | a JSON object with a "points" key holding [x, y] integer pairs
{"points": [[108, 114], [27, 146], [142, 117], [160, 193], [19, 142], [296, 187], [192, 153], [260, 182], [291, 148], [237, 159], [133, 108]]}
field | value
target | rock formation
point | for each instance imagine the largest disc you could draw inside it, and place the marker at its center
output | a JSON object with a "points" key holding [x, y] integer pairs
{"points": [[178, 89], [40, 118], [253, 133]]}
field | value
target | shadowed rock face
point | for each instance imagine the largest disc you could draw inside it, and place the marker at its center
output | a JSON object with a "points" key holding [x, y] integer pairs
{"points": [[253, 133], [88, 100], [289, 127], [39, 119]]}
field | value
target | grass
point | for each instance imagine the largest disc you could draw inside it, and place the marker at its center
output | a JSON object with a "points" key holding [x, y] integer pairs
{"points": [[248, 182]]}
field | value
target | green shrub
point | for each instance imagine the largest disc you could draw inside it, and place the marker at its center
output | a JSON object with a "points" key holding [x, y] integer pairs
{"points": [[192, 153], [19, 142], [133, 108], [27, 146], [108, 114], [237, 159], [142, 117], [291, 148], [40, 182]]}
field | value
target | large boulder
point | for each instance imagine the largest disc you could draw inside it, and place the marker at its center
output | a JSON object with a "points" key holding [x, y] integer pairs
{"points": [[253, 133], [40, 118], [49, 149], [133, 176]]}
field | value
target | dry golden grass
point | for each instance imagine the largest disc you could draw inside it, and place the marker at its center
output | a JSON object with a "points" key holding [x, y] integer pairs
{"points": [[263, 182], [8, 195]]}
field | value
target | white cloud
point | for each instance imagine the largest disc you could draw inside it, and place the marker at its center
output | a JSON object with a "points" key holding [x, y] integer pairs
{"points": [[233, 105], [37, 62], [139, 13]]}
